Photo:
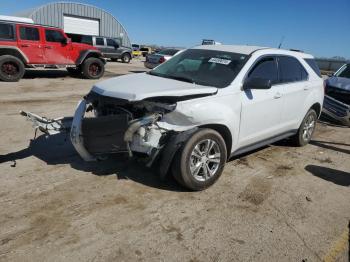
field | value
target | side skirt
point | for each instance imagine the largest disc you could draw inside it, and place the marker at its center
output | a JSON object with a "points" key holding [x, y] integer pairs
{"points": [[262, 143]]}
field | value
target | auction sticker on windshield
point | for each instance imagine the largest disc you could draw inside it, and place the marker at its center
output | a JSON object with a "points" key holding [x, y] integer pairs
{"points": [[219, 61]]}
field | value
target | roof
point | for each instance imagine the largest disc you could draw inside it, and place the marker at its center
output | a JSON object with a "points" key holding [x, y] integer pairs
{"points": [[248, 49], [240, 49]]}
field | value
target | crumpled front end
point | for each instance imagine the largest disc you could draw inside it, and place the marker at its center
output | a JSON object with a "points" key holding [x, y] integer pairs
{"points": [[105, 125]]}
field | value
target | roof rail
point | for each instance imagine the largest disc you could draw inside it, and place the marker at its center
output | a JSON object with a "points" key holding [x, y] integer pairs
{"points": [[296, 50]]}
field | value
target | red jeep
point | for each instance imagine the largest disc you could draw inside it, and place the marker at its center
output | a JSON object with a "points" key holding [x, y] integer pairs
{"points": [[25, 45]]}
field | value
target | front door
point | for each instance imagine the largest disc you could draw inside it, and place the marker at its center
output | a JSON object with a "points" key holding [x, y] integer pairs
{"points": [[261, 108], [56, 47], [30, 43]]}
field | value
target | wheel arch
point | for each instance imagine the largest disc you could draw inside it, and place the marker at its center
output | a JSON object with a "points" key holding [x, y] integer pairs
{"points": [[318, 108], [87, 54], [14, 51], [224, 131]]}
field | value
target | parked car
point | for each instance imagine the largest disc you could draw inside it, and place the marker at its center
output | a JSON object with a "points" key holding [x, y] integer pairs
{"points": [[136, 50], [145, 51], [156, 59], [26, 45], [337, 96], [112, 49], [195, 111]]}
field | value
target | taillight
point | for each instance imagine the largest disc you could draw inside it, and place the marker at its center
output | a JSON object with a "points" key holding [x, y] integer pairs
{"points": [[162, 59]]}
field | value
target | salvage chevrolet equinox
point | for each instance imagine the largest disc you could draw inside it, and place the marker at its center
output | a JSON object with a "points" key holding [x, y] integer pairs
{"points": [[192, 113]]}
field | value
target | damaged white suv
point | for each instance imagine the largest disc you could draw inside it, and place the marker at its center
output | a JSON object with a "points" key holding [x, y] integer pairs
{"points": [[203, 106]]}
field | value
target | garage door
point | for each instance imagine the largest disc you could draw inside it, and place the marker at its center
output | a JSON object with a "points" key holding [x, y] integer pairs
{"points": [[81, 26]]}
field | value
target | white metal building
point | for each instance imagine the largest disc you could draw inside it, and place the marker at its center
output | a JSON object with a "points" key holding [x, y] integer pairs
{"points": [[78, 19]]}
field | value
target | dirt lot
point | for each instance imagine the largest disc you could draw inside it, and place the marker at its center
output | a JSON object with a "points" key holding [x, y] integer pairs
{"points": [[279, 203]]}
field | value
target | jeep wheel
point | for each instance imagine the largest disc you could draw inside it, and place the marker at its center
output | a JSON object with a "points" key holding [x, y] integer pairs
{"points": [[306, 129], [126, 58], [11, 68], [200, 162], [93, 68]]}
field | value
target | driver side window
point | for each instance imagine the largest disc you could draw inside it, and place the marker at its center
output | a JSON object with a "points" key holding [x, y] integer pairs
{"points": [[265, 68]]}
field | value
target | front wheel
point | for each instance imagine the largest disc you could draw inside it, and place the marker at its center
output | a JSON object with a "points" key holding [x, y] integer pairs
{"points": [[126, 58], [93, 68], [201, 160], [306, 129]]}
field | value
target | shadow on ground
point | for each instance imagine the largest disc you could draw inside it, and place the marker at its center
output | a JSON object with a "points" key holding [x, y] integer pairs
{"points": [[59, 73], [57, 149], [331, 146], [335, 176]]}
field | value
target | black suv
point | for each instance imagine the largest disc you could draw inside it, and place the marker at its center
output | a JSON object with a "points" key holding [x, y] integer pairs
{"points": [[110, 47]]}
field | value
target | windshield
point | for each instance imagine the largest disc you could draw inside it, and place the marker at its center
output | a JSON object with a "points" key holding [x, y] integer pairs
{"points": [[203, 67], [169, 52], [344, 71]]}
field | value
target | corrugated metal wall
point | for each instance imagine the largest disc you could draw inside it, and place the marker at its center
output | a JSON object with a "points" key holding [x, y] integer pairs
{"points": [[52, 14]]}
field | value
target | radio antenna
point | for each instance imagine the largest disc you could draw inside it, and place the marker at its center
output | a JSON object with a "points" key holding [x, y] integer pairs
{"points": [[281, 42]]}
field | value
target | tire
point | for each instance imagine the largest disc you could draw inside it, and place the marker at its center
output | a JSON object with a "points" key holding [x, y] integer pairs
{"points": [[93, 68], [187, 157], [126, 58], [114, 59], [306, 129], [11, 68]]}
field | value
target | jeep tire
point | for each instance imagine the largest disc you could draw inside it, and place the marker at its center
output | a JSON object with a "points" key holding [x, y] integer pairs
{"points": [[201, 160], [11, 68], [93, 68], [126, 58], [306, 129]]}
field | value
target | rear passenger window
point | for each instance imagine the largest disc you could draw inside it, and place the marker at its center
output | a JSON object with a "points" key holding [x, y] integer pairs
{"points": [[290, 70], [99, 41], [6, 32], [29, 33], [266, 68]]}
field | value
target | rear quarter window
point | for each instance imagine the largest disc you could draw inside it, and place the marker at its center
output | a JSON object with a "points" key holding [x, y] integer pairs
{"points": [[7, 32], [313, 64]]}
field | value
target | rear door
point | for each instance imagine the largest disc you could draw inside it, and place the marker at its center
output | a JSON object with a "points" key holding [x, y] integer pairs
{"points": [[261, 108], [56, 47], [31, 43], [294, 86]]}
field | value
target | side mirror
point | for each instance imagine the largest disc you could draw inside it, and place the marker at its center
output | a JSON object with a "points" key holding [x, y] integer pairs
{"points": [[65, 41], [257, 83]]}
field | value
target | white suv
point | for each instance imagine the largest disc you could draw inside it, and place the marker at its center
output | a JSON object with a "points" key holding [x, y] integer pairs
{"points": [[203, 106]]}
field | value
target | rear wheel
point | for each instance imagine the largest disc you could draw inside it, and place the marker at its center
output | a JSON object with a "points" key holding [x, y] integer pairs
{"points": [[93, 68], [11, 68], [200, 162], [306, 129], [126, 58]]}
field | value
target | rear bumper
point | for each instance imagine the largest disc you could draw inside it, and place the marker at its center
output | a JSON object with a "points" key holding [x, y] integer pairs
{"points": [[336, 110], [150, 65]]}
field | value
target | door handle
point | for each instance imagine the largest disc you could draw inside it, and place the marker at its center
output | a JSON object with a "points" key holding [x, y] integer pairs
{"points": [[277, 95], [25, 45]]}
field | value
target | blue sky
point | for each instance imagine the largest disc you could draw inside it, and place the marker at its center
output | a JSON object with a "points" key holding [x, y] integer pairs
{"points": [[321, 27]]}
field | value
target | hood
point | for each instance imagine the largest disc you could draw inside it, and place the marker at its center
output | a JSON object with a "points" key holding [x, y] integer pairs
{"points": [[339, 82], [136, 87]]}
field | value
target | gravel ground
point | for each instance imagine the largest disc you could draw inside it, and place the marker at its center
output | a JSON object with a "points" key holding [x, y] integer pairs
{"points": [[279, 203]]}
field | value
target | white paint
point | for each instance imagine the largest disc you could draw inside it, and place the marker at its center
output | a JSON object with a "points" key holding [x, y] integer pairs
{"points": [[82, 26], [16, 19]]}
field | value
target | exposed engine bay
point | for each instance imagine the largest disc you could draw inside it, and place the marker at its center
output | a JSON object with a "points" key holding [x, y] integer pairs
{"points": [[105, 125]]}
